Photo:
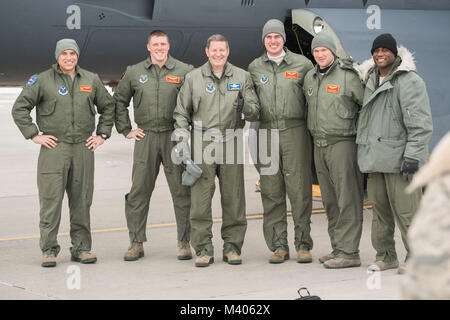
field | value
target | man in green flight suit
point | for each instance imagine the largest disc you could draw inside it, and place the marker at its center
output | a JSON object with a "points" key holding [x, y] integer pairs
{"points": [[153, 84], [214, 101], [278, 77], [334, 94], [394, 128], [65, 97]]}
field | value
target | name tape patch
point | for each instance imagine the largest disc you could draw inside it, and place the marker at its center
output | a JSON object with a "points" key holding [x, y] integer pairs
{"points": [[332, 88], [291, 75], [85, 89], [172, 79], [234, 86]]}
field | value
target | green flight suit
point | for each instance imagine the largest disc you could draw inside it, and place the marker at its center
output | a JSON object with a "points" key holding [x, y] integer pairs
{"points": [[395, 122], [208, 105], [283, 109], [334, 99], [65, 108], [154, 91]]}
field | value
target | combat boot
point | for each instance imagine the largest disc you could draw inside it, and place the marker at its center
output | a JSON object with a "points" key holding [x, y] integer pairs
{"points": [[134, 252], [184, 251], [84, 257], [232, 258], [339, 263], [382, 265], [304, 256], [48, 260], [279, 256], [204, 261], [327, 257]]}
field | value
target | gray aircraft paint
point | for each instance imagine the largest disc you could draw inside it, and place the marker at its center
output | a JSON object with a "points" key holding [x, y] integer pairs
{"points": [[112, 34]]}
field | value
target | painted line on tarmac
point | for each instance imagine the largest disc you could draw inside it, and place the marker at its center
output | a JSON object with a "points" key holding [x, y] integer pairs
{"points": [[154, 226]]}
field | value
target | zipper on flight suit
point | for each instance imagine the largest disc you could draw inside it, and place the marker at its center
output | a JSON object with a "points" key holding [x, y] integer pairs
{"points": [[275, 76]]}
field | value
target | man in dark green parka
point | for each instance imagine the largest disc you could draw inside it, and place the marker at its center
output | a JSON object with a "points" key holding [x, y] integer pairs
{"points": [[334, 94], [65, 97]]}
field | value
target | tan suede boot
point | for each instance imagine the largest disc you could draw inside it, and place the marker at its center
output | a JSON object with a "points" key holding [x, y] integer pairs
{"points": [[279, 256], [85, 257], [304, 256], [339, 263], [232, 258], [134, 252], [184, 250], [204, 261], [48, 260]]}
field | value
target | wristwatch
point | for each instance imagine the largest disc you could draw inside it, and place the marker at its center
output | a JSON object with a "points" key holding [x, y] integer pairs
{"points": [[104, 136]]}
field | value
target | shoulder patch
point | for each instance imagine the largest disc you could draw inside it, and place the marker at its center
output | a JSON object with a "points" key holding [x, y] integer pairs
{"points": [[32, 80]]}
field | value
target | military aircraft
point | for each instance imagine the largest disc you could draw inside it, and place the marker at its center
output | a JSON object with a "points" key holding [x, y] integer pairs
{"points": [[112, 33]]}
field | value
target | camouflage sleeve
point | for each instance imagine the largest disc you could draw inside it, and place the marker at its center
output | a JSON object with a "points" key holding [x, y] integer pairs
{"points": [[251, 102], [415, 106], [428, 270], [122, 97], [105, 107], [27, 100]]}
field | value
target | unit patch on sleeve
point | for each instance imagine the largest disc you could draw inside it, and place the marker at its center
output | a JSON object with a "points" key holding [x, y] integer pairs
{"points": [[85, 89], [332, 88], [32, 80], [172, 79], [291, 75]]}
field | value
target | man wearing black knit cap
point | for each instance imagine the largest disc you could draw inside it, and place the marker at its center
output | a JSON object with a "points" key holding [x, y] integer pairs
{"points": [[394, 129]]}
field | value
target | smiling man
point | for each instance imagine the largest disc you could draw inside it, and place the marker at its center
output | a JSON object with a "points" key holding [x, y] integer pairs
{"points": [[153, 84], [278, 77], [394, 128], [215, 100], [65, 97], [334, 94]]}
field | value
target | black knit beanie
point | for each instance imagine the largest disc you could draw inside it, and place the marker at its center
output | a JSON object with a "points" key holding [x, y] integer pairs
{"points": [[386, 40]]}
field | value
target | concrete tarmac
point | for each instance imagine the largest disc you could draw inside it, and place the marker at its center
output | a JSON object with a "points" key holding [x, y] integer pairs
{"points": [[158, 275]]}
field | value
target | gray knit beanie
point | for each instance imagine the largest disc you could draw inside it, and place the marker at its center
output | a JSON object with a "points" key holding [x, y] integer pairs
{"points": [[66, 44], [323, 40], [273, 26]]}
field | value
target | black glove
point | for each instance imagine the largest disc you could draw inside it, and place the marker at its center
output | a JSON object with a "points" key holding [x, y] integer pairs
{"points": [[409, 167], [240, 102]]}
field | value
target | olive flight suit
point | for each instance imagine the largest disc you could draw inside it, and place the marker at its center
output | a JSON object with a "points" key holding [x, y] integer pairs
{"points": [[283, 110], [154, 91], [334, 99], [209, 104], [65, 108]]}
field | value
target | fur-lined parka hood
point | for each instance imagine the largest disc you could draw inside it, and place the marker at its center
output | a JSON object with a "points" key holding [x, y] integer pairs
{"points": [[408, 64]]}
